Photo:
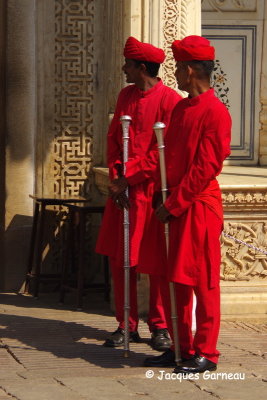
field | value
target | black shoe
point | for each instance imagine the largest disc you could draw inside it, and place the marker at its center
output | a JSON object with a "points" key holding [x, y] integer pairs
{"points": [[195, 365], [117, 338], [166, 359], [160, 340]]}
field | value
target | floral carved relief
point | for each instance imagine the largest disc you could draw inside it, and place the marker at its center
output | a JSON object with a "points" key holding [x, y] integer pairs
{"points": [[219, 83], [171, 16], [240, 262], [245, 199]]}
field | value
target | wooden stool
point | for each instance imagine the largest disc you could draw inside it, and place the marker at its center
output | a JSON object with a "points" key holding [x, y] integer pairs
{"points": [[81, 210], [37, 237]]}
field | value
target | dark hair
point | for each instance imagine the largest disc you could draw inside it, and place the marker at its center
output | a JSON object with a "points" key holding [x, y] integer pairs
{"points": [[204, 68], [151, 67]]}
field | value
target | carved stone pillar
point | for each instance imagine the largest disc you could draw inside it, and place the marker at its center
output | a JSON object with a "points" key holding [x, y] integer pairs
{"points": [[179, 19], [263, 96]]}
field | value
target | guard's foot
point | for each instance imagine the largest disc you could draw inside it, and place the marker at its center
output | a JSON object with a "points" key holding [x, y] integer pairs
{"points": [[116, 339], [160, 340], [195, 365], [166, 359]]}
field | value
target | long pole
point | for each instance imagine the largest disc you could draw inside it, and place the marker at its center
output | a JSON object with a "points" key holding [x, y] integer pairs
{"points": [[125, 122], [159, 130]]}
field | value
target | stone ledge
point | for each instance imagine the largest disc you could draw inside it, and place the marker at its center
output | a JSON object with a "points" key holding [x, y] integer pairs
{"points": [[101, 179]]}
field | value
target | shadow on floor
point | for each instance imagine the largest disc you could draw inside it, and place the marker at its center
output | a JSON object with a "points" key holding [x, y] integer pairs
{"points": [[80, 339]]}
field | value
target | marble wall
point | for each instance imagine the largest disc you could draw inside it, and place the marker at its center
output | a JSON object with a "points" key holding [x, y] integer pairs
{"points": [[236, 30]]}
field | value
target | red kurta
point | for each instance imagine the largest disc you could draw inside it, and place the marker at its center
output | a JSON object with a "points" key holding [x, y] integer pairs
{"points": [[197, 143], [145, 108]]}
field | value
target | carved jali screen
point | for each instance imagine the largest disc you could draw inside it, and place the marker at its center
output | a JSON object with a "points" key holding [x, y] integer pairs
{"points": [[74, 94]]}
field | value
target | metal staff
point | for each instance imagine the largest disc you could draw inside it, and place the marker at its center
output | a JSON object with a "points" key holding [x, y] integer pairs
{"points": [[125, 123], [159, 129]]}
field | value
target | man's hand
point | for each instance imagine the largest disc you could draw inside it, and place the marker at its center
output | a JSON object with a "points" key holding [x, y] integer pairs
{"points": [[156, 200], [163, 214], [117, 192], [122, 201], [117, 186]]}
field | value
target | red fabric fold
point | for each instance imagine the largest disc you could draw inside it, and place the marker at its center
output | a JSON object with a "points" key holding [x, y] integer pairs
{"points": [[211, 196]]}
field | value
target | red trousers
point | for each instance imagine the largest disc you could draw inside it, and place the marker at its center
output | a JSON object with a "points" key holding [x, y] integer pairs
{"points": [[156, 316], [204, 341]]}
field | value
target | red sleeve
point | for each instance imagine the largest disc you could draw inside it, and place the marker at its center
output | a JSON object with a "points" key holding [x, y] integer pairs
{"points": [[213, 148], [114, 140], [143, 167]]}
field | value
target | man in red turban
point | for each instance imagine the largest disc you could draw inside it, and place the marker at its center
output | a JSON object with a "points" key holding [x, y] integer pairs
{"points": [[147, 101], [197, 142]]}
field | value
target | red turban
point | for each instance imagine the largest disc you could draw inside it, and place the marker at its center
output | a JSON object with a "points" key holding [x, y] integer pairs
{"points": [[193, 48], [136, 50]]}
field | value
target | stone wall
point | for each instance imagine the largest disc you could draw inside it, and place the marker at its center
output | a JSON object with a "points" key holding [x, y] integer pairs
{"points": [[236, 29], [244, 268], [64, 61]]}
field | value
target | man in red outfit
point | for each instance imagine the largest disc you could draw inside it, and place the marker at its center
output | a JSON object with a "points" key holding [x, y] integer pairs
{"points": [[147, 101], [197, 142]]}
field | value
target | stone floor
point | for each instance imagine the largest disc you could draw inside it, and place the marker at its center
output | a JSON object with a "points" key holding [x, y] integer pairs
{"points": [[52, 352]]}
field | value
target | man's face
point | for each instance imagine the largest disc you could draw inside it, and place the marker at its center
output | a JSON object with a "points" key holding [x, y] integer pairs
{"points": [[132, 72], [182, 75]]}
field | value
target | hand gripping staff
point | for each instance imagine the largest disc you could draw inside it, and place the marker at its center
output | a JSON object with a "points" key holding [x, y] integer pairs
{"points": [[125, 123], [159, 129]]}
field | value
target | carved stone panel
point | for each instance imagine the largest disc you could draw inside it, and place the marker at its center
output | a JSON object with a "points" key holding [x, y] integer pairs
{"points": [[73, 95], [245, 199], [229, 5], [240, 262], [172, 11]]}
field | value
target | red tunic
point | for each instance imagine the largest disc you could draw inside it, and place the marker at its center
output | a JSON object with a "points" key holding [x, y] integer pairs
{"points": [[197, 142], [145, 108]]}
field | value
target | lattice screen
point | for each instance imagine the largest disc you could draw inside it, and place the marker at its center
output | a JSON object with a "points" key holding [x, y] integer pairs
{"points": [[74, 94]]}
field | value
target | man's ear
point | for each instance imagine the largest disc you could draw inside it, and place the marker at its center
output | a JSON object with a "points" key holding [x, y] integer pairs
{"points": [[143, 68], [190, 70]]}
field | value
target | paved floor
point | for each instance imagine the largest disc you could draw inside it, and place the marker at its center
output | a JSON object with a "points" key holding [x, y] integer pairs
{"points": [[49, 352]]}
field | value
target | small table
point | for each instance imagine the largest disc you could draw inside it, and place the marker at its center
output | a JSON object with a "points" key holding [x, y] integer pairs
{"points": [[37, 236], [81, 209]]}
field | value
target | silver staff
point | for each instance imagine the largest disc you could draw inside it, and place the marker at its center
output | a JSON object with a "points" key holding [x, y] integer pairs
{"points": [[125, 122], [159, 130]]}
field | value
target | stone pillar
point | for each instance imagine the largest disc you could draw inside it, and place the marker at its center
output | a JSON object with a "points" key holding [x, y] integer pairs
{"points": [[2, 132], [21, 126], [263, 95]]}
